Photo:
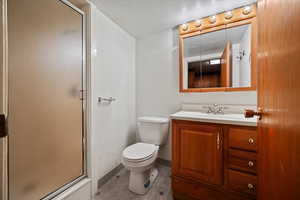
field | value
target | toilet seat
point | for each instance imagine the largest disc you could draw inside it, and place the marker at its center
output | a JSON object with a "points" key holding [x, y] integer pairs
{"points": [[141, 162], [139, 152]]}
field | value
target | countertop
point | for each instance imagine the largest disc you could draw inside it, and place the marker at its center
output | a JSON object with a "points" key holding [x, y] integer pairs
{"points": [[233, 119]]}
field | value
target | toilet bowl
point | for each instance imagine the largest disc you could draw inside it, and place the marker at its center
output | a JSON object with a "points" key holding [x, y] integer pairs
{"points": [[139, 158]]}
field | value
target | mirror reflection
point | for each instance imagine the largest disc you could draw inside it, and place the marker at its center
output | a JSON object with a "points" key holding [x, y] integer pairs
{"points": [[218, 59]]}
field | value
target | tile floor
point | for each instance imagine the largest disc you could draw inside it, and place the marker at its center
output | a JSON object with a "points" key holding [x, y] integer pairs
{"points": [[117, 187]]}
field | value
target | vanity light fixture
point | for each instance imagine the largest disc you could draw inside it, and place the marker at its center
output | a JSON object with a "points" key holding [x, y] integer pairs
{"points": [[184, 27], [247, 10], [213, 19], [198, 23], [228, 15]]}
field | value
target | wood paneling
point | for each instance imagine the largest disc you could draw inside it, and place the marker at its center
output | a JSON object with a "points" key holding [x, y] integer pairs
{"points": [[206, 81], [278, 96]]}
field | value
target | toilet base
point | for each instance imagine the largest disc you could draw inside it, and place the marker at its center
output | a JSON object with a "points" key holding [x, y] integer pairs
{"points": [[141, 182]]}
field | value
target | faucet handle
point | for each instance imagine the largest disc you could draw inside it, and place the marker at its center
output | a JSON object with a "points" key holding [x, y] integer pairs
{"points": [[221, 109], [209, 108], [215, 108]]}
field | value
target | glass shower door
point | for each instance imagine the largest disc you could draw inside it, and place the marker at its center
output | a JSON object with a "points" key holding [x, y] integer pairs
{"points": [[45, 84]]}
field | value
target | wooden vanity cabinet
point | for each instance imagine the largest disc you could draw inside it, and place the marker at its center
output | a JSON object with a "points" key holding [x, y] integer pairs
{"points": [[198, 152], [213, 161]]}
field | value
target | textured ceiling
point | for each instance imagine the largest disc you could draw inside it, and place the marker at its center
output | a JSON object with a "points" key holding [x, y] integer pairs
{"points": [[144, 17]]}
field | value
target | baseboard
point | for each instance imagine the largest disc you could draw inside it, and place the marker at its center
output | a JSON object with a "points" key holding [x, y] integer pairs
{"points": [[109, 175], [163, 162]]}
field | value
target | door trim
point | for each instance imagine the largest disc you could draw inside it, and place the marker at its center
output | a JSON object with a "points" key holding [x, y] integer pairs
{"points": [[4, 150]]}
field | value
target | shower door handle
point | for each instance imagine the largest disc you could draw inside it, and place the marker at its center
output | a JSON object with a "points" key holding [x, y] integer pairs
{"points": [[3, 130]]}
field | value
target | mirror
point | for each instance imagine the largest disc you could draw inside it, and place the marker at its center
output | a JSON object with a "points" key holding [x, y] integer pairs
{"points": [[218, 59]]}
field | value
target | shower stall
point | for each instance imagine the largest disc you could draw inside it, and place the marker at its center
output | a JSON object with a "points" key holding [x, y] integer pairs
{"points": [[43, 98]]}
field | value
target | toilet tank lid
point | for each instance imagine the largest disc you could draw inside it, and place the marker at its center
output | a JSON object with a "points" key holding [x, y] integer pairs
{"points": [[161, 120]]}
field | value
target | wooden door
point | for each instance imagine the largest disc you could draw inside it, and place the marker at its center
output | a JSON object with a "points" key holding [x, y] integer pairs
{"points": [[226, 60], [197, 151], [279, 97]]}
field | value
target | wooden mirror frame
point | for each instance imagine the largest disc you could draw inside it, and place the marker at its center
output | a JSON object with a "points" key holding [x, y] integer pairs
{"points": [[238, 18]]}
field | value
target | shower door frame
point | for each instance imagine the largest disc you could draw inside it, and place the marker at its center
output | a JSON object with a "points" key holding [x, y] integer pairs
{"points": [[84, 97], [4, 78]]}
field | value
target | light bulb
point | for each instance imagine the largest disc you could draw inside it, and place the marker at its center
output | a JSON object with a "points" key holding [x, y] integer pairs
{"points": [[228, 15], [198, 23], [247, 10], [184, 27], [213, 19]]}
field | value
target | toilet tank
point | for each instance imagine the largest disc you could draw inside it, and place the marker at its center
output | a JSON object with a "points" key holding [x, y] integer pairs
{"points": [[153, 130]]}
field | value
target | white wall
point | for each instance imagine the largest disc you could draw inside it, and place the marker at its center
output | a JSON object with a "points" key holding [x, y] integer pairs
{"points": [[157, 81], [235, 65], [245, 69], [112, 75]]}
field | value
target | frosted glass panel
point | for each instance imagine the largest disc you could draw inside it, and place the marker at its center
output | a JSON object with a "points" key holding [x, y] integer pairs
{"points": [[45, 110]]}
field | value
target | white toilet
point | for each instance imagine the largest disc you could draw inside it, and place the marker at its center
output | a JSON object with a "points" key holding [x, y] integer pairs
{"points": [[139, 158]]}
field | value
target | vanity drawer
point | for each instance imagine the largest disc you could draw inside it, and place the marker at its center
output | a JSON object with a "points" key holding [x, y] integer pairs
{"points": [[242, 182], [242, 160], [243, 138]]}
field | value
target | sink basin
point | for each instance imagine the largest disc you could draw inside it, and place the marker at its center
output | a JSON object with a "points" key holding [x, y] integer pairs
{"points": [[235, 119]]}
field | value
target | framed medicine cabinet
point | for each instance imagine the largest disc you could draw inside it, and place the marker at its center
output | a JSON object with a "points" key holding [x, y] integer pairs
{"points": [[218, 53]]}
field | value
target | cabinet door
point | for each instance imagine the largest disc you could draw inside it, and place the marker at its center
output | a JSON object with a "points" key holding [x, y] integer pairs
{"points": [[197, 151]]}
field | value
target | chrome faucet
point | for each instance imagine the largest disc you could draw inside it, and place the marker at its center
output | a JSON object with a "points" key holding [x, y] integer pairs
{"points": [[215, 109]]}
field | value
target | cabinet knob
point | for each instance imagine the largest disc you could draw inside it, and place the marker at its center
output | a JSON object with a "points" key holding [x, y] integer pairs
{"points": [[250, 164], [250, 186], [251, 140]]}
